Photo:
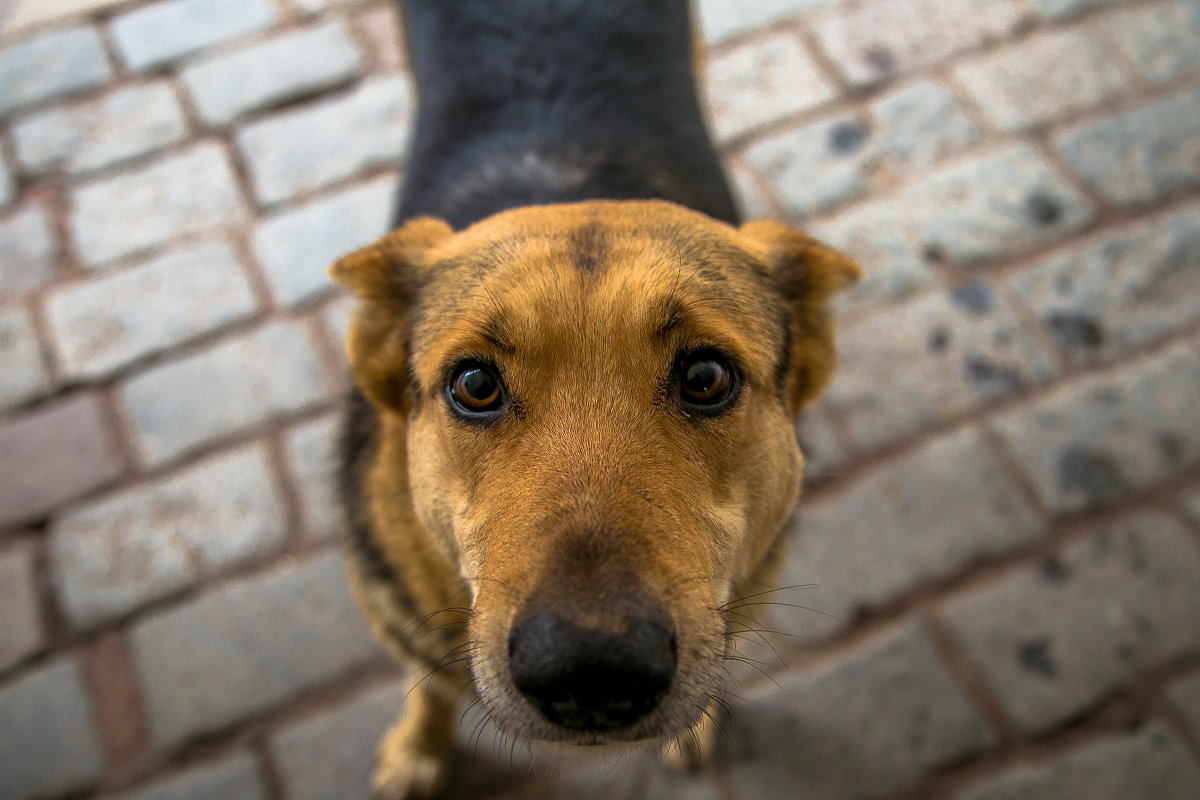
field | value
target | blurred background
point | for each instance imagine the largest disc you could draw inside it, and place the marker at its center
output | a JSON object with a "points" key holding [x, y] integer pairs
{"points": [[1000, 539]]}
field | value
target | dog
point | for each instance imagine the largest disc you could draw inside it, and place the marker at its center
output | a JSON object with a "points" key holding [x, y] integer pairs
{"points": [[571, 443]]}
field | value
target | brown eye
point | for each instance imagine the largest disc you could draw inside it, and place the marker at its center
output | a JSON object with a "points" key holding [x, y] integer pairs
{"points": [[475, 389], [707, 382]]}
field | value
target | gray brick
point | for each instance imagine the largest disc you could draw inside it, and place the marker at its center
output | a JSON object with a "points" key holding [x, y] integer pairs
{"points": [[1060, 9], [721, 19], [316, 6], [125, 124], [938, 357], [21, 631], [296, 247], [109, 322], [223, 390], [1142, 155], [823, 453], [875, 41], [119, 553], [901, 526], [1160, 40], [248, 646], [188, 193], [1110, 437], [21, 16], [51, 66], [1041, 79], [27, 251], [22, 370], [1191, 507], [1184, 694], [332, 754], [48, 742], [336, 318], [1151, 764], [167, 31], [876, 721], [817, 166], [235, 778], [288, 66], [751, 199], [962, 214], [302, 150], [1132, 287], [1055, 639], [922, 123], [53, 454], [761, 82], [311, 449], [8, 192]]}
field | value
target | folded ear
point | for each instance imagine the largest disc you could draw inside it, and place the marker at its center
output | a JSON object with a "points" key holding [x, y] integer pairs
{"points": [[386, 277], [808, 274]]}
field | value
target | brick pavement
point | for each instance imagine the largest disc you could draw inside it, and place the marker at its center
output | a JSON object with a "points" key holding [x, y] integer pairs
{"points": [[1001, 533]]}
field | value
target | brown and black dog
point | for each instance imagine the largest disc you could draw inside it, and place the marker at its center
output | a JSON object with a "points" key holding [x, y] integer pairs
{"points": [[571, 443]]}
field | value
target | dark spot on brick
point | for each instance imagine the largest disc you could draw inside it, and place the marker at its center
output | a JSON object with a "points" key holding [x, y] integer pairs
{"points": [[1034, 656], [1076, 330], [881, 59], [847, 137], [1063, 284], [938, 340], [990, 375], [975, 297], [1044, 209], [933, 253], [1126, 652], [1093, 473], [1003, 337], [1054, 570], [1170, 447]]}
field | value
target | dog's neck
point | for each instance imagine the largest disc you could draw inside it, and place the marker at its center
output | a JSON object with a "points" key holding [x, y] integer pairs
{"points": [[511, 115]]}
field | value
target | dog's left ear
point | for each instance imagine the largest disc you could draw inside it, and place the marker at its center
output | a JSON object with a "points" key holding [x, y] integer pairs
{"points": [[808, 274]]}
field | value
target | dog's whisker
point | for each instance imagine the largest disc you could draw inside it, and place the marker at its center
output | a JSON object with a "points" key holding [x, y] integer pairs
{"points": [[790, 605], [755, 665], [737, 601]]}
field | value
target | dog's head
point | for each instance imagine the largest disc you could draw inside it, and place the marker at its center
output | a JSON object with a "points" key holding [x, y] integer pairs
{"points": [[596, 403]]}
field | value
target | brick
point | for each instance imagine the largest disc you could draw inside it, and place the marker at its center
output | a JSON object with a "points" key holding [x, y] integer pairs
{"points": [[817, 166], [48, 734], [1184, 695], [1160, 40], [1109, 437], [192, 192], [288, 66], [168, 31], [823, 453], [382, 29], [874, 722], [1191, 507], [27, 251], [336, 317], [332, 754], [900, 527], [119, 553], [22, 371], [876, 41], [246, 647], [1140, 156], [311, 450], [720, 19], [1132, 287], [8, 192], [50, 67], [752, 200], [922, 123], [296, 247], [25, 14], [234, 778], [939, 357], [298, 151], [1055, 639], [1041, 79], [53, 454], [960, 215], [104, 324], [1061, 9], [316, 6], [125, 124], [223, 391], [761, 82], [21, 631], [1151, 763]]}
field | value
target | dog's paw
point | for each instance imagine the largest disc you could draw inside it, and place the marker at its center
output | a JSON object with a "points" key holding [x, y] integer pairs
{"points": [[408, 776]]}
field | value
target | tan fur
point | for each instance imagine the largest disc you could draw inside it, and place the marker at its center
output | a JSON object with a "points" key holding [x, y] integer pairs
{"points": [[584, 307]]}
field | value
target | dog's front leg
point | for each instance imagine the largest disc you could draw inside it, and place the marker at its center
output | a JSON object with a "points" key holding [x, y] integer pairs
{"points": [[414, 754]]}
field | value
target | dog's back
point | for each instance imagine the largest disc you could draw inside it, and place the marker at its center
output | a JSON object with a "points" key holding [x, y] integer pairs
{"points": [[528, 102]]}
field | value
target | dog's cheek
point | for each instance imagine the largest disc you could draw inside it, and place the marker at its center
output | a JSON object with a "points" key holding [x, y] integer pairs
{"points": [[437, 494]]}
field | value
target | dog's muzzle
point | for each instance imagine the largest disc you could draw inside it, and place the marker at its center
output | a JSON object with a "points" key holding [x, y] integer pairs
{"points": [[586, 679]]}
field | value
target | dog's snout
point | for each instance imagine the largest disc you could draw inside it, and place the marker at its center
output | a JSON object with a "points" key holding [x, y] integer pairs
{"points": [[587, 679]]}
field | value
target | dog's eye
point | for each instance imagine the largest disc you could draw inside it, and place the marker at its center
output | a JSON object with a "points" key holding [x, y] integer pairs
{"points": [[475, 389], [706, 381]]}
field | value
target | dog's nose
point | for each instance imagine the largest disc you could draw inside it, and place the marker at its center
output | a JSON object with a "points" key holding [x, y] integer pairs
{"points": [[586, 679]]}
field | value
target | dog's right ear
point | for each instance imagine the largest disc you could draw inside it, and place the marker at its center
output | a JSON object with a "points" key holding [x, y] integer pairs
{"points": [[386, 276]]}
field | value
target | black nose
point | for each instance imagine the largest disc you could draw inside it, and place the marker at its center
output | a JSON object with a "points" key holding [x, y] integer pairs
{"points": [[586, 679]]}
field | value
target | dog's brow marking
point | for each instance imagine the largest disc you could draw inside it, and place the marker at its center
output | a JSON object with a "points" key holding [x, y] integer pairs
{"points": [[589, 246]]}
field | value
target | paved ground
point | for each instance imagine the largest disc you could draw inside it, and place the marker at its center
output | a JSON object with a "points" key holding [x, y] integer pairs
{"points": [[1003, 514]]}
